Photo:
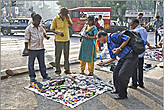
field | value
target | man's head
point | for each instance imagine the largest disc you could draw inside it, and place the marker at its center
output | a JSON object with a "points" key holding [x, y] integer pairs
{"points": [[157, 17], [91, 20], [140, 15], [134, 23], [96, 19], [100, 17], [36, 19], [64, 12], [102, 37]]}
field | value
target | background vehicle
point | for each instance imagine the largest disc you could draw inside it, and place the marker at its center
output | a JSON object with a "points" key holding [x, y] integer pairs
{"points": [[115, 26], [79, 16], [17, 25], [47, 24]]}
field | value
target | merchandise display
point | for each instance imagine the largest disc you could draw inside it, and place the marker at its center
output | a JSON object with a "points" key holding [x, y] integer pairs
{"points": [[71, 90], [154, 54]]}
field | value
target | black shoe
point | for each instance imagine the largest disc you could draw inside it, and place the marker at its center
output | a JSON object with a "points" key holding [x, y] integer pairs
{"points": [[120, 98], [114, 92], [67, 72], [141, 86], [133, 87]]}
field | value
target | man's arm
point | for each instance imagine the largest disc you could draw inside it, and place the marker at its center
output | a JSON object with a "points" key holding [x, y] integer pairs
{"points": [[27, 38], [54, 26], [117, 50], [69, 20], [107, 62]]}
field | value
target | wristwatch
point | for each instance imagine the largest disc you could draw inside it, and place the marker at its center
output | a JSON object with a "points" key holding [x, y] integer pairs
{"points": [[120, 48]]}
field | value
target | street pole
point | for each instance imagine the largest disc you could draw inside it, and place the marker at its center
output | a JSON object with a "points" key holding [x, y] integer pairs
{"points": [[9, 11], [156, 9]]}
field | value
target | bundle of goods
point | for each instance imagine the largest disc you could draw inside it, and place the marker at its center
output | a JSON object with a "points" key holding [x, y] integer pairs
{"points": [[71, 90], [154, 54]]}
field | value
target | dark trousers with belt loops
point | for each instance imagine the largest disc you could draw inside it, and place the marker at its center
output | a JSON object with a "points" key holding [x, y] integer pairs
{"points": [[123, 72], [137, 75]]}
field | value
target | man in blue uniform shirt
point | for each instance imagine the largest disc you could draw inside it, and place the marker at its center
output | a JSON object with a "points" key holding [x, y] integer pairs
{"points": [[126, 64], [143, 34]]}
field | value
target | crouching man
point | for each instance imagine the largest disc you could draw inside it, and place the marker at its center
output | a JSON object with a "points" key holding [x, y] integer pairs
{"points": [[34, 47], [126, 64]]}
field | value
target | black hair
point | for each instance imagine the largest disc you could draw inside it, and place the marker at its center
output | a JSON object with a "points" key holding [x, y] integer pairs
{"points": [[32, 14], [157, 16], [96, 19], [102, 34], [100, 16], [36, 17], [140, 14], [64, 11], [135, 21], [91, 18]]}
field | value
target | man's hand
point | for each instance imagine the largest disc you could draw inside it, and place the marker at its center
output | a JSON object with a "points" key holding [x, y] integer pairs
{"points": [[47, 37], [67, 17], [116, 50], [101, 64], [26, 52], [61, 34], [87, 37]]}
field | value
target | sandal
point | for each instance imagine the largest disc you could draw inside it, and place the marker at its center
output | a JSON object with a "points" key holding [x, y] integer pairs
{"points": [[90, 74], [57, 75], [82, 72]]}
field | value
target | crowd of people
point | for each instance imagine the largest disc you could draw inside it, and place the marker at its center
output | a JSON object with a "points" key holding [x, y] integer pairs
{"points": [[129, 63]]}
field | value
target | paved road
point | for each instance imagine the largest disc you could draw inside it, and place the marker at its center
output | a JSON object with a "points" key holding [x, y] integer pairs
{"points": [[14, 96], [12, 47]]}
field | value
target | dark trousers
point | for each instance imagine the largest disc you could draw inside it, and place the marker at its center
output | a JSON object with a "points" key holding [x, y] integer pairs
{"points": [[137, 76], [39, 54], [156, 37], [59, 47], [123, 72]]}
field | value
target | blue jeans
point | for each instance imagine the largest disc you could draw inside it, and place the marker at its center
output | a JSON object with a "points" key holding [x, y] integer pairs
{"points": [[39, 54]]}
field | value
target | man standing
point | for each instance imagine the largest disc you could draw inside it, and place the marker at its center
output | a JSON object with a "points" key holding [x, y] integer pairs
{"points": [[139, 69], [34, 47], [126, 64], [141, 20], [157, 24], [60, 26], [101, 21]]}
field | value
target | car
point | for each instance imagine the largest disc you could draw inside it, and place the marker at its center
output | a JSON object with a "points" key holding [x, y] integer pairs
{"points": [[17, 25], [47, 24], [115, 27]]}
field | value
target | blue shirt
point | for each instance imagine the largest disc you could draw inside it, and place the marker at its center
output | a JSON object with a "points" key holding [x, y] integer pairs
{"points": [[112, 45], [157, 24], [143, 34]]}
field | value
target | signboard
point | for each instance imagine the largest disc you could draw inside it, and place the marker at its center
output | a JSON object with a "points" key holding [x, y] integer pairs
{"points": [[105, 15], [16, 10], [134, 13]]}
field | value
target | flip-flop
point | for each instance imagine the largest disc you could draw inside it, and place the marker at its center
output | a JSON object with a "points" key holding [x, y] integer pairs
{"points": [[57, 75]]}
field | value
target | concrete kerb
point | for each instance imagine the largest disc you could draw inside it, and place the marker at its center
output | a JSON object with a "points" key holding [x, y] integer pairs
{"points": [[23, 70]]}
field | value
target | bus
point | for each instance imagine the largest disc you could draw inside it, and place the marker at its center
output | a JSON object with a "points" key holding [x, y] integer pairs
{"points": [[79, 16]]}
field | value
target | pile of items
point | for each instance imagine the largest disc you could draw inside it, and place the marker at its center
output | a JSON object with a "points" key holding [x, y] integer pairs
{"points": [[154, 54], [71, 90]]}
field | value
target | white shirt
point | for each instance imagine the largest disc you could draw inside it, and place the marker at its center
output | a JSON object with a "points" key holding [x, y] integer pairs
{"points": [[34, 36], [101, 22]]}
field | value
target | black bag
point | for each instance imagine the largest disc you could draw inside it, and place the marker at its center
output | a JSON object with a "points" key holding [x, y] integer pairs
{"points": [[135, 42]]}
